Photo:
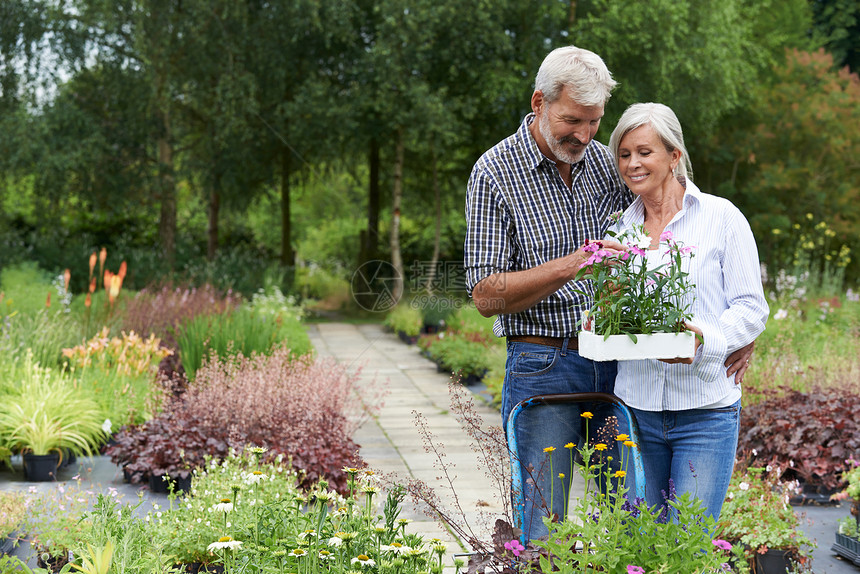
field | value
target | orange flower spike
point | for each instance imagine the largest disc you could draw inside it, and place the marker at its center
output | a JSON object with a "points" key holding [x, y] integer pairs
{"points": [[93, 285], [122, 270], [88, 302], [48, 300], [67, 276], [107, 279], [93, 257], [102, 257]]}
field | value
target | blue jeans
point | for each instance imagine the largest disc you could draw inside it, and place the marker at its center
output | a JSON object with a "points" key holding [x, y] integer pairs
{"points": [[539, 370], [695, 448]]}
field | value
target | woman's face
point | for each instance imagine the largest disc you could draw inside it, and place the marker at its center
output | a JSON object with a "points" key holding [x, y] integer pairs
{"points": [[644, 162]]}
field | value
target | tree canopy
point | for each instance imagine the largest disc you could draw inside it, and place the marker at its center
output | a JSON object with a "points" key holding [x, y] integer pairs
{"points": [[191, 126]]}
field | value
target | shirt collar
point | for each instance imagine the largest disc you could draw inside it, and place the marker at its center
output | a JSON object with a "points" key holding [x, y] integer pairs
{"points": [[636, 212]]}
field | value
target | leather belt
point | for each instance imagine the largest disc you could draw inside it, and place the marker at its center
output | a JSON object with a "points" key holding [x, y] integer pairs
{"points": [[556, 342]]}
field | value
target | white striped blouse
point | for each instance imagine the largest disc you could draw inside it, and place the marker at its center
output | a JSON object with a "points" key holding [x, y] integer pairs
{"points": [[729, 307]]}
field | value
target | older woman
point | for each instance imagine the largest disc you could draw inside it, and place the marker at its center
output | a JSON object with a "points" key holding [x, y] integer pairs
{"points": [[688, 410]]}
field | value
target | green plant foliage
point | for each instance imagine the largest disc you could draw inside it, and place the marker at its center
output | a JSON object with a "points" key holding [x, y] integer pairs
{"points": [[241, 331], [809, 342], [756, 515], [460, 355], [45, 413], [406, 319], [25, 289], [119, 374], [44, 334]]}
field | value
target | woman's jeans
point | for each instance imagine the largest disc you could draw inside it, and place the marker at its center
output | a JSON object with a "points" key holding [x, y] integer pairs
{"points": [[539, 370], [695, 448]]}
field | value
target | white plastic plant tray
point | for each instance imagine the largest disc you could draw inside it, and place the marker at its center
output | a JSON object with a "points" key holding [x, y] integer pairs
{"points": [[622, 347]]}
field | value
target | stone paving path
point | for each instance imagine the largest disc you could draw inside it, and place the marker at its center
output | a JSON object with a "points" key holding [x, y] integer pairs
{"points": [[391, 443]]}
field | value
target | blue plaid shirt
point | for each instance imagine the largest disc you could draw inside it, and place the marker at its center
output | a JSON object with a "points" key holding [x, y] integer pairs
{"points": [[520, 214]]}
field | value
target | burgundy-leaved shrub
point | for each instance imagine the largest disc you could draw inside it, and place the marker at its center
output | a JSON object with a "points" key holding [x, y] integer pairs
{"points": [[808, 436], [306, 409]]}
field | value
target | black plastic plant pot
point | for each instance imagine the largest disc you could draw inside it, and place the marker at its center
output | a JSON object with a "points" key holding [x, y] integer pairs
{"points": [[774, 562], [159, 485], [41, 467]]}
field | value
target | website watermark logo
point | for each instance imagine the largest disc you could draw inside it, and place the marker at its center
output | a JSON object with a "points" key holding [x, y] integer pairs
{"points": [[373, 285]]}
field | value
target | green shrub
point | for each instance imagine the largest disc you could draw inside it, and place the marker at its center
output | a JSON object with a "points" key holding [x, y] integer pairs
{"points": [[459, 355], [467, 319], [406, 319]]}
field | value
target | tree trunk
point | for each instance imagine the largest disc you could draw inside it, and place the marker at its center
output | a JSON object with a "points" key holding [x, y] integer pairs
{"points": [[214, 210], [571, 15], [287, 254], [437, 238], [373, 202], [397, 196], [167, 185]]}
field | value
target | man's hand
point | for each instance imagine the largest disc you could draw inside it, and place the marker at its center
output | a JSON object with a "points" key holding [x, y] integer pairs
{"points": [[738, 363], [516, 291]]}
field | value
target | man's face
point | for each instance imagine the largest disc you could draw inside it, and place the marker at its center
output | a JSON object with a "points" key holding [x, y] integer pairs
{"points": [[567, 127]]}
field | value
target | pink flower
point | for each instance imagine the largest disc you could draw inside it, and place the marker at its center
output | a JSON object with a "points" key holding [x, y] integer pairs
{"points": [[637, 250], [666, 236], [631, 569], [514, 546], [721, 544]]}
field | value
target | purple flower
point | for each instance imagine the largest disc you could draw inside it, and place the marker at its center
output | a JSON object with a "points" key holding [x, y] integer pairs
{"points": [[514, 546], [721, 544], [631, 569]]}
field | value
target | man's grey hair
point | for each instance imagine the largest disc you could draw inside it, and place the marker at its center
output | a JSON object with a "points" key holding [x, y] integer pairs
{"points": [[580, 70], [665, 124]]}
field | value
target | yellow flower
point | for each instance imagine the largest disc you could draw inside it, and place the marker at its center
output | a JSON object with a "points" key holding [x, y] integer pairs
{"points": [[600, 446], [570, 445], [561, 475], [620, 474], [630, 443], [777, 231], [549, 449], [586, 415], [622, 437]]}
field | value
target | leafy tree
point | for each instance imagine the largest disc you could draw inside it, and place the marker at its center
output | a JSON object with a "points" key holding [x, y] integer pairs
{"points": [[801, 155], [837, 27]]}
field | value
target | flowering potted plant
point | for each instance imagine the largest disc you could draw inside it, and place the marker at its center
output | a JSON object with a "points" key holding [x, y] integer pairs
{"points": [[757, 517], [639, 310]]}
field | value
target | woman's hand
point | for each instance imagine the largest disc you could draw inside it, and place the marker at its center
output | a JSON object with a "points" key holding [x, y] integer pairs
{"points": [[738, 362], [699, 339]]}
